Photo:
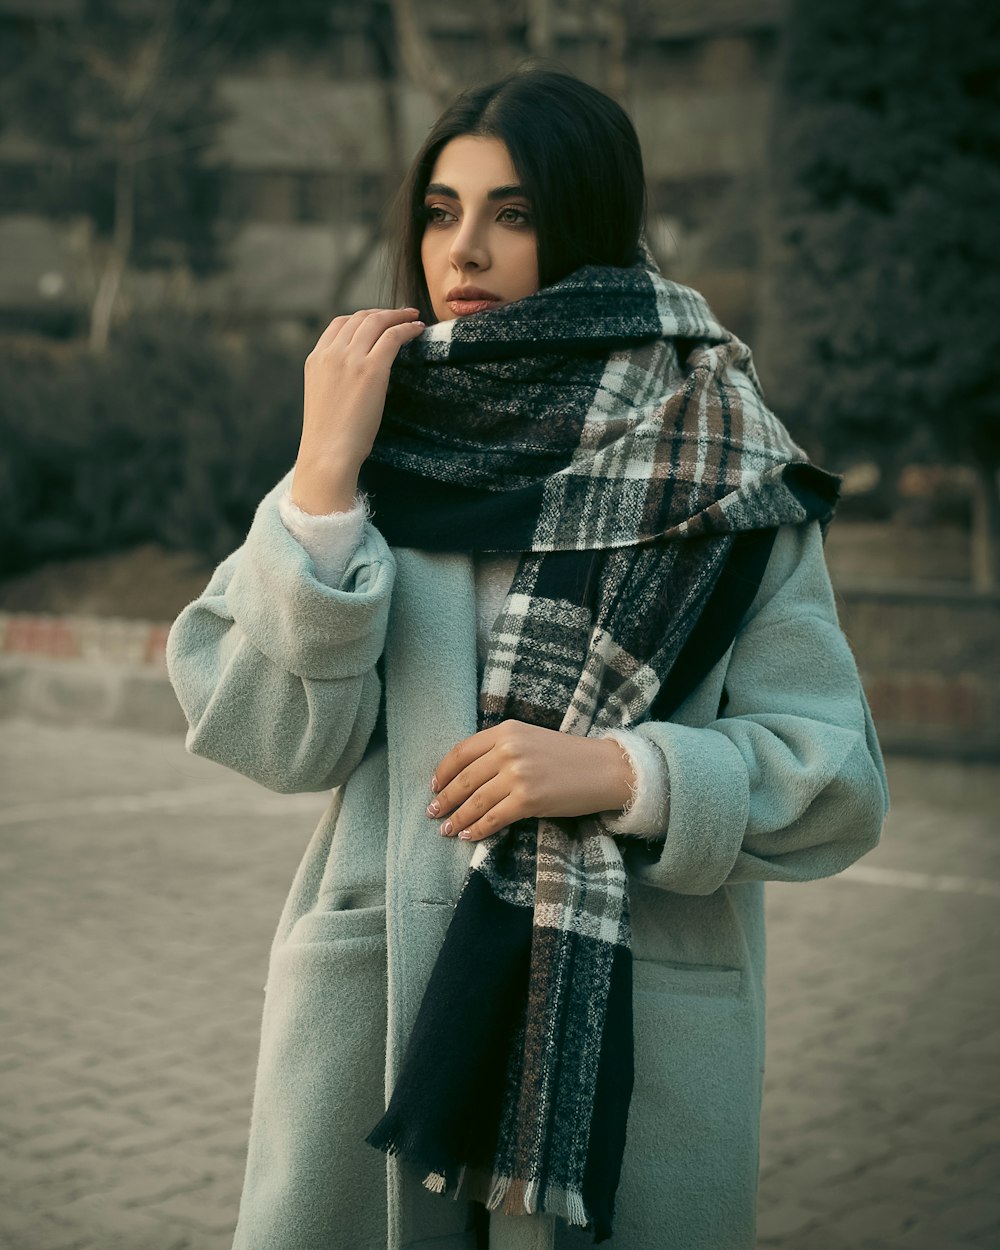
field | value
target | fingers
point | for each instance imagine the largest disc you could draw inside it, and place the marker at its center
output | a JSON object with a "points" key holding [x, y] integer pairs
{"points": [[361, 330], [461, 755], [391, 340], [478, 800], [504, 813], [461, 791], [387, 326], [488, 810], [335, 327]]}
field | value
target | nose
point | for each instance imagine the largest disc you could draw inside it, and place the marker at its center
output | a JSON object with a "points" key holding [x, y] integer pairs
{"points": [[468, 249]]}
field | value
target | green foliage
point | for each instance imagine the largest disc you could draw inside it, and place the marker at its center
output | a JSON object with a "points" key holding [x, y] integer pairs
{"points": [[887, 196], [171, 436]]}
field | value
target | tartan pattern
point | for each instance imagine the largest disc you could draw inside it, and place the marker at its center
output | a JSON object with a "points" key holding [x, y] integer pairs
{"points": [[618, 406]]}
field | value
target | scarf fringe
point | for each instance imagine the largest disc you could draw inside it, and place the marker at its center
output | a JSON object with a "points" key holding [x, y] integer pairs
{"points": [[435, 1182], [566, 1203], [576, 1213], [499, 1191], [494, 1192]]}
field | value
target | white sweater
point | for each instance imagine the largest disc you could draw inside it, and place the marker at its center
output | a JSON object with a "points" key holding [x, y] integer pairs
{"points": [[330, 541]]}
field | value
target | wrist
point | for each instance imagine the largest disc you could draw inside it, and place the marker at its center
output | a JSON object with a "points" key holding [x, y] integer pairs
{"points": [[621, 778], [321, 491]]}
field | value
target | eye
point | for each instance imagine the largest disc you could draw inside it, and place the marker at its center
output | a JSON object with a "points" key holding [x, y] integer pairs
{"points": [[434, 214], [520, 217]]}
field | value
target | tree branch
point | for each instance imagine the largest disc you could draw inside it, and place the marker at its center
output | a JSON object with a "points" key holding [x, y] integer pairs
{"points": [[417, 57]]}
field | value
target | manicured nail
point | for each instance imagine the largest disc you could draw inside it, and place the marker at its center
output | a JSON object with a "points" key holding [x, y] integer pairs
{"points": [[465, 835], [434, 783], [433, 808], [446, 828]]}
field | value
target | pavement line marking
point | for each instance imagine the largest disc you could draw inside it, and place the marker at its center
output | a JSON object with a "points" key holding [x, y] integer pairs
{"points": [[236, 798], [107, 804], [920, 880]]}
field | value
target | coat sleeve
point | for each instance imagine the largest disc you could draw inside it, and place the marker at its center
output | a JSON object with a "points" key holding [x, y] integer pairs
{"points": [[275, 671], [788, 784]]}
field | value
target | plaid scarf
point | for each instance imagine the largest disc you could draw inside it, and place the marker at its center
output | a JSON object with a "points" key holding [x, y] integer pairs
{"points": [[613, 433]]}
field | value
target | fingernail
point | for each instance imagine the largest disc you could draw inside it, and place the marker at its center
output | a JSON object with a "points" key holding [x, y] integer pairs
{"points": [[433, 808], [465, 835], [446, 828], [434, 783]]}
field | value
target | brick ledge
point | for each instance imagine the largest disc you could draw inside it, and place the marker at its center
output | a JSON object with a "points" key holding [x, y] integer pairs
{"points": [[115, 640]]}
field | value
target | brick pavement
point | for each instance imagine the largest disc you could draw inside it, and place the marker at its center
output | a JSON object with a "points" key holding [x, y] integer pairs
{"points": [[139, 888], [882, 1090]]}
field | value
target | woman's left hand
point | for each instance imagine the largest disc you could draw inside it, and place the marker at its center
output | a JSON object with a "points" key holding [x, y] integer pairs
{"points": [[515, 770]]}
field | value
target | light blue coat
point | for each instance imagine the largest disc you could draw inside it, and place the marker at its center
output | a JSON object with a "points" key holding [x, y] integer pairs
{"points": [[279, 677]]}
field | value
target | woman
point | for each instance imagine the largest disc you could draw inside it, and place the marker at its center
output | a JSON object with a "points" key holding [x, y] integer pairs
{"points": [[588, 637]]}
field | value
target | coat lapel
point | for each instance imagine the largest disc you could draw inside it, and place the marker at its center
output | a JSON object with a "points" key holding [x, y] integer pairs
{"points": [[431, 701], [432, 696]]}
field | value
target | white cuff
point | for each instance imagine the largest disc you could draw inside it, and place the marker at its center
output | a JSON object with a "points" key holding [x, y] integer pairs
{"points": [[645, 814], [329, 539]]}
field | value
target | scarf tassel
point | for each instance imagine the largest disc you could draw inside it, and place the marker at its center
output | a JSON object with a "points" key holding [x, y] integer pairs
{"points": [[435, 1182], [498, 1192]]}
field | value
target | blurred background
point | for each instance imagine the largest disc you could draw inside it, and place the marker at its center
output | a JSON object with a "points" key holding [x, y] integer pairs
{"points": [[189, 191]]}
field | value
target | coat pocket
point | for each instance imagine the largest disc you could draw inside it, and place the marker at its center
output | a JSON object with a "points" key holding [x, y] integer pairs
{"points": [[652, 977], [363, 925], [690, 1166], [320, 1088]]}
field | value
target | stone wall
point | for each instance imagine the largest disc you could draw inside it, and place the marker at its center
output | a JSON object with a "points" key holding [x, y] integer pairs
{"points": [[929, 660]]}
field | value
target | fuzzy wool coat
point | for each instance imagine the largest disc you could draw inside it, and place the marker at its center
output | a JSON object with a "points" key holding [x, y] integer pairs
{"points": [[775, 774]]}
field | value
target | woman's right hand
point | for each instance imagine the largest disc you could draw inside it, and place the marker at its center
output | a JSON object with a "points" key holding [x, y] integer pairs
{"points": [[346, 378]]}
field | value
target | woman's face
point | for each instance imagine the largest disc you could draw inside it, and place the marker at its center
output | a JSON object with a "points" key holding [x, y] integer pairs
{"points": [[479, 248]]}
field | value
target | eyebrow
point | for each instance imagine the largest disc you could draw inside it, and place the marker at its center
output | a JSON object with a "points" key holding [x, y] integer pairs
{"points": [[498, 193]]}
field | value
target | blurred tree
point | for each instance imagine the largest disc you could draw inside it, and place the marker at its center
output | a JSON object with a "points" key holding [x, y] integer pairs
{"points": [[403, 52], [120, 92], [416, 55], [883, 282], [172, 435]]}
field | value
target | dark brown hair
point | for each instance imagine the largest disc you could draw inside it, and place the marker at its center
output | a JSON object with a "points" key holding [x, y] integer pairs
{"points": [[577, 156]]}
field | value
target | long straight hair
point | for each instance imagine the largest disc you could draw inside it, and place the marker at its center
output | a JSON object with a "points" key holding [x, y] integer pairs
{"points": [[577, 156]]}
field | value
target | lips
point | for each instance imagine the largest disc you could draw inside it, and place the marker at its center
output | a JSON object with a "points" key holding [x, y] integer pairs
{"points": [[463, 300]]}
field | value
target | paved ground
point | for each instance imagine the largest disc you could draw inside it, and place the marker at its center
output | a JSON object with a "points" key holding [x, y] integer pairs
{"points": [[139, 888]]}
